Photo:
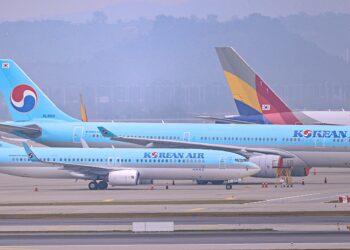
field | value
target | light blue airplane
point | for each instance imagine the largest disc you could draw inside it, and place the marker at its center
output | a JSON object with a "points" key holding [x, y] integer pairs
{"points": [[123, 166], [272, 147]]}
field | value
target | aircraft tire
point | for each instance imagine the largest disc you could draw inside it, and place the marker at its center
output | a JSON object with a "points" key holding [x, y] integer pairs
{"points": [[228, 186], [102, 185], [217, 182], [200, 182], [93, 185]]}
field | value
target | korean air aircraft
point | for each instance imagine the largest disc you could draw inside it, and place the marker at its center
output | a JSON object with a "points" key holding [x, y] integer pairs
{"points": [[123, 166], [272, 147], [256, 102]]}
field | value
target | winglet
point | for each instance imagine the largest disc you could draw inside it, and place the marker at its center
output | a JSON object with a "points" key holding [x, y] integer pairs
{"points": [[105, 132], [30, 153]]}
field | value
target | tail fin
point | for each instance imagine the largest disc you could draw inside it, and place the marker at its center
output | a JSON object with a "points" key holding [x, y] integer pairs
{"points": [[30, 153], [251, 94], [83, 113], [24, 99]]}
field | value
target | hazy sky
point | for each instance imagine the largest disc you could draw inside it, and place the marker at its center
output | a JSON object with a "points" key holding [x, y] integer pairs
{"points": [[81, 10]]}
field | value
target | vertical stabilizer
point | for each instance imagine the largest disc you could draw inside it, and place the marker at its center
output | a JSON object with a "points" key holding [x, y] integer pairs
{"points": [[83, 113], [252, 95], [24, 99]]}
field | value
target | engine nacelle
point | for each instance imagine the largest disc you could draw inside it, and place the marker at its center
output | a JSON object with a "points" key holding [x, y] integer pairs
{"points": [[123, 177], [272, 166], [269, 165]]}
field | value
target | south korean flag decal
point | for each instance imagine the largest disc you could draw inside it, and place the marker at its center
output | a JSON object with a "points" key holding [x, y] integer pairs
{"points": [[5, 65], [266, 107]]}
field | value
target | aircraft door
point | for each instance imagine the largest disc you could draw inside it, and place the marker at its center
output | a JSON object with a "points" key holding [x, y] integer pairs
{"points": [[222, 162], [187, 136], [77, 134]]}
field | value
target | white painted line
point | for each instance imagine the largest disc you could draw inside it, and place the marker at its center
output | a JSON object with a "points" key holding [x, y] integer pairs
{"points": [[284, 198]]}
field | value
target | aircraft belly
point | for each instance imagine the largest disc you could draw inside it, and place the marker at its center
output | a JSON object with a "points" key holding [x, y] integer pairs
{"points": [[197, 172], [325, 159]]}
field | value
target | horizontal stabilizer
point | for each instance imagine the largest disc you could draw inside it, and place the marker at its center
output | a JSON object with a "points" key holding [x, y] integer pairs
{"points": [[31, 131], [223, 120]]}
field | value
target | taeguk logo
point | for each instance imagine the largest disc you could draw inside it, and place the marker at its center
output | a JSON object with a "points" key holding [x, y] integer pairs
{"points": [[308, 133], [154, 154], [23, 98]]}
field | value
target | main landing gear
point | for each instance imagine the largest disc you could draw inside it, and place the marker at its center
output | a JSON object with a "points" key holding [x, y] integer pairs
{"points": [[102, 185], [228, 186]]}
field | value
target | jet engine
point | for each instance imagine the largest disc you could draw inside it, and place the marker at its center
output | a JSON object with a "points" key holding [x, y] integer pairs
{"points": [[273, 166], [269, 165], [127, 177]]}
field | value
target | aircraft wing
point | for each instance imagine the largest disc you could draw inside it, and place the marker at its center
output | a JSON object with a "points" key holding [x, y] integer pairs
{"points": [[223, 120], [31, 131], [84, 169], [244, 151]]}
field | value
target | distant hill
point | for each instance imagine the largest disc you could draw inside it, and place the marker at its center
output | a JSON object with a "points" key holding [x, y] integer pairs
{"points": [[167, 67], [329, 31]]}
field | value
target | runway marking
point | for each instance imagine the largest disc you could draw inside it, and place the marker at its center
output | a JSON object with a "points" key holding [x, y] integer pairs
{"points": [[284, 198], [230, 198], [195, 209], [108, 200], [324, 197]]}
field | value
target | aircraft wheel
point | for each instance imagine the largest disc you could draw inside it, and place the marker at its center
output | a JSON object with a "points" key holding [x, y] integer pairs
{"points": [[102, 185], [217, 182], [199, 182], [93, 185], [228, 186]]}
